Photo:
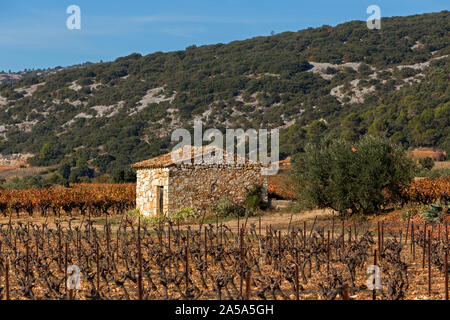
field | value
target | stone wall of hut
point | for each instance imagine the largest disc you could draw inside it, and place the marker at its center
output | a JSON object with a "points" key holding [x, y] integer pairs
{"points": [[148, 180], [195, 186]]}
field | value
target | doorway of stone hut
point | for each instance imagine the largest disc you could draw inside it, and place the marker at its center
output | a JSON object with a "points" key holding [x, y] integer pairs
{"points": [[160, 199]]}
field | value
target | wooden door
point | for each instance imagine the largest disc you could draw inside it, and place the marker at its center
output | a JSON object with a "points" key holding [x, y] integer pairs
{"points": [[161, 199]]}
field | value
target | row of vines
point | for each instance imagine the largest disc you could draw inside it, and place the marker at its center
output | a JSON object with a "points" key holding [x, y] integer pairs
{"points": [[421, 191], [427, 190], [101, 199], [213, 262], [95, 199]]}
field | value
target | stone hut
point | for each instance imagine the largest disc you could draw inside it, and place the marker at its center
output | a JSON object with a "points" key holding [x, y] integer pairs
{"points": [[165, 186]]}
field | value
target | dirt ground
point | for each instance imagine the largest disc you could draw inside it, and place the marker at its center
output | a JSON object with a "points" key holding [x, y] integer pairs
{"points": [[277, 220]]}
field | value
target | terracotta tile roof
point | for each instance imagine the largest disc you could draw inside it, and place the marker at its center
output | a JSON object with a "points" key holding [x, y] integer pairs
{"points": [[166, 160]]}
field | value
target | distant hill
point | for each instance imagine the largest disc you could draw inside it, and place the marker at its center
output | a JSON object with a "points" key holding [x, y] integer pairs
{"points": [[341, 81], [6, 77]]}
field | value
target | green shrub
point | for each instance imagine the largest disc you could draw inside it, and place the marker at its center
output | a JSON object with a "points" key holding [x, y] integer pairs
{"points": [[153, 220], [146, 220], [133, 213], [254, 201], [434, 213], [184, 214], [426, 163], [225, 207]]}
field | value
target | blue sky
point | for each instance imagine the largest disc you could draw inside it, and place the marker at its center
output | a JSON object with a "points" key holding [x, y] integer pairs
{"points": [[33, 34]]}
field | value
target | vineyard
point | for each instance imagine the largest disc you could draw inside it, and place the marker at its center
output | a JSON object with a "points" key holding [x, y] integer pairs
{"points": [[421, 191], [115, 199], [321, 259], [93, 199], [309, 261], [426, 191]]}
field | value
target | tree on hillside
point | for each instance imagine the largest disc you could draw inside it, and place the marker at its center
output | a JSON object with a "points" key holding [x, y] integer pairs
{"points": [[49, 154], [64, 170], [351, 178], [315, 131], [123, 175]]}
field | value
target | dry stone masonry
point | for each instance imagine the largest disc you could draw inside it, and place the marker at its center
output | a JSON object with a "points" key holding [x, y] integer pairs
{"points": [[163, 186]]}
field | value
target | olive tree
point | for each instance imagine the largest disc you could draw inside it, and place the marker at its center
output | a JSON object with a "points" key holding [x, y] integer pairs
{"points": [[351, 178]]}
